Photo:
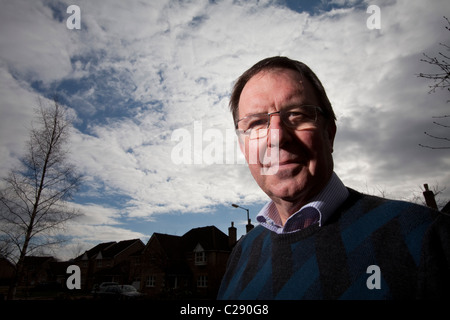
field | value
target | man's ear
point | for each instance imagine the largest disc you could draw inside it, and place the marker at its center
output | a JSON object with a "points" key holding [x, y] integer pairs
{"points": [[331, 133]]}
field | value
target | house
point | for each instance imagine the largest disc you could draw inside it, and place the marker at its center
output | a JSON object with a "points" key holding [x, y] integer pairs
{"points": [[37, 270], [167, 267], [109, 261], [164, 270], [41, 273], [190, 266], [7, 269], [86, 263], [206, 251]]}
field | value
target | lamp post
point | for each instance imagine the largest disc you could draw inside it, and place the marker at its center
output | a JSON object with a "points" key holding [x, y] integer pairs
{"points": [[249, 226]]}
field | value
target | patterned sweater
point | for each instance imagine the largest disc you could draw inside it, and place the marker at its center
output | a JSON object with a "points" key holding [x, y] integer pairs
{"points": [[409, 243]]}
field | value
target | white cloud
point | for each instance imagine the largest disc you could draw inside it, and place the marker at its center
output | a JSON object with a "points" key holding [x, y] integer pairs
{"points": [[144, 69], [31, 41], [16, 109], [94, 214]]}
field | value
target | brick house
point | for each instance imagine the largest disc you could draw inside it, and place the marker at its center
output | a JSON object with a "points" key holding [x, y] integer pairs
{"points": [[109, 261], [190, 266], [7, 269], [86, 263], [164, 271], [167, 267], [206, 251], [37, 270]]}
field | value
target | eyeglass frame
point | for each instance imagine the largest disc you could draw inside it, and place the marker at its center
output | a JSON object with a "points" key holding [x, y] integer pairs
{"points": [[241, 132]]}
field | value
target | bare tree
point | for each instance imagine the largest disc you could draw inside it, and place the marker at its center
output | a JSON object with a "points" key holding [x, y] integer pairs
{"points": [[33, 198], [441, 80]]}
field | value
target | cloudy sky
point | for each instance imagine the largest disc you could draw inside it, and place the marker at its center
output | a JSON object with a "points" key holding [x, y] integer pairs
{"points": [[149, 83]]}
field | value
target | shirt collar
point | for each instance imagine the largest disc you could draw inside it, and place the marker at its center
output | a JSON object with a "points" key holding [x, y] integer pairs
{"points": [[320, 208]]}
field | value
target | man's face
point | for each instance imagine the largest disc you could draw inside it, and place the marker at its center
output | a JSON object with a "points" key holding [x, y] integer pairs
{"points": [[304, 162]]}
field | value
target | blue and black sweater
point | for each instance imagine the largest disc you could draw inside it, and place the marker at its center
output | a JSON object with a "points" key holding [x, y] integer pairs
{"points": [[409, 243]]}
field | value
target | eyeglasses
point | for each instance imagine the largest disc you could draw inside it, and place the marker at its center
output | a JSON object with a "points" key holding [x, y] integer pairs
{"points": [[256, 126]]}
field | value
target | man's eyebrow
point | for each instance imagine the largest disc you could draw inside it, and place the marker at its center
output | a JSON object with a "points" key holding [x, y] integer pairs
{"points": [[286, 106], [252, 114], [257, 111]]}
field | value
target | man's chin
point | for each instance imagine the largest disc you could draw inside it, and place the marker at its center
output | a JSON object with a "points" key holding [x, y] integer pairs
{"points": [[285, 181]]}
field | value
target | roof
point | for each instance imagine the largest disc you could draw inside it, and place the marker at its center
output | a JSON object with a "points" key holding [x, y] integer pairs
{"points": [[60, 267], [118, 269], [446, 208], [210, 238], [172, 247], [170, 244], [117, 248], [37, 260], [95, 250], [6, 261]]}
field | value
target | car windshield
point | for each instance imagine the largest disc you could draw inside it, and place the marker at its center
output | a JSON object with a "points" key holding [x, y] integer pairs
{"points": [[112, 289], [128, 288]]}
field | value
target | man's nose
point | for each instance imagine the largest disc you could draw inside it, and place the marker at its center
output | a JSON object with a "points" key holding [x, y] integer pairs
{"points": [[278, 132]]}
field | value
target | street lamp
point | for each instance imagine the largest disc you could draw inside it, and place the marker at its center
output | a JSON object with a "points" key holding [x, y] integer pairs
{"points": [[249, 226]]}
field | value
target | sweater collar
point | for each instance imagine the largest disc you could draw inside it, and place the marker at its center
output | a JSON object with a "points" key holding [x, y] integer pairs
{"points": [[318, 210]]}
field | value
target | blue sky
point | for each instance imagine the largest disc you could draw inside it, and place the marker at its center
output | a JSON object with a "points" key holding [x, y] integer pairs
{"points": [[138, 73]]}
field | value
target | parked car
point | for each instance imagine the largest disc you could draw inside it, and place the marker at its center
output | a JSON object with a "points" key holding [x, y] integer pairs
{"points": [[130, 292], [118, 292], [97, 288]]}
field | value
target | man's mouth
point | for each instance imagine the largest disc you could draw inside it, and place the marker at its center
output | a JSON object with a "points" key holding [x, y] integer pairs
{"points": [[286, 162]]}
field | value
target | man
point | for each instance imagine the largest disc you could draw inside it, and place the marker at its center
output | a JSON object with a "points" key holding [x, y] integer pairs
{"points": [[317, 239]]}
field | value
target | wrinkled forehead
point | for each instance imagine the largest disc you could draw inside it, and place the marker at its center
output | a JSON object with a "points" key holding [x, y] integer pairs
{"points": [[293, 77], [271, 89]]}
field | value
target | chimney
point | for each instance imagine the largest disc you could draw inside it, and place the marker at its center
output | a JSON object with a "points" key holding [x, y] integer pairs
{"points": [[232, 235], [249, 226], [429, 197]]}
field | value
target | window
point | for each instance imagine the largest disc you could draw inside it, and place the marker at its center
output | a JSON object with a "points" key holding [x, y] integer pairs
{"points": [[151, 281], [202, 281], [200, 258], [200, 255]]}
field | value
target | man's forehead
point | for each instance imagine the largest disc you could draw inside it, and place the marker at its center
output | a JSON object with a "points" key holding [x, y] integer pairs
{"points": [[272, 86], [294, 76]]}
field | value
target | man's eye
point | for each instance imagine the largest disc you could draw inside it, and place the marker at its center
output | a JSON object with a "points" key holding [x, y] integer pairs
{"points": [[257, 124], [295, 115]]}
